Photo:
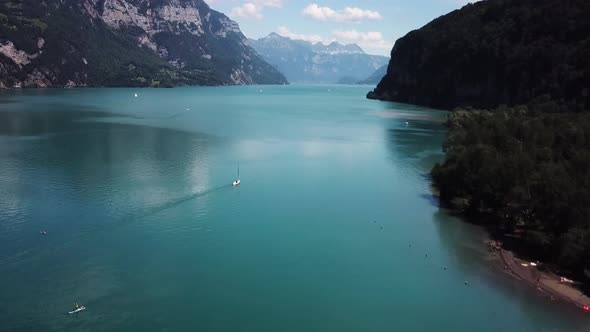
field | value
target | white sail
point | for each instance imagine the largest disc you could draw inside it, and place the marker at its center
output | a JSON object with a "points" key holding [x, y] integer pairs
{"points": [[237, 182]]}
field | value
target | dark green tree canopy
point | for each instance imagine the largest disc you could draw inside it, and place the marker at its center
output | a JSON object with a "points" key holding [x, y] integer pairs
{"points": [[494, 52]]}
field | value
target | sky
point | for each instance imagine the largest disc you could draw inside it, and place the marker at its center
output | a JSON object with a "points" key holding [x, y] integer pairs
{"points": [[374, 25]]}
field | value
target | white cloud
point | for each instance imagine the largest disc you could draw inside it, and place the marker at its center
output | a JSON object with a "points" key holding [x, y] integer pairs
{"points": [[348, 14], [367, 40], [285, 32], [371, 39], [247, 10], [269, 3], [358, 36], [254, 8]]}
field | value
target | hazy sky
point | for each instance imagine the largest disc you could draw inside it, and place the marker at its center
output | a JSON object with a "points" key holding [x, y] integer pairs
{"points": [[372, 24]]}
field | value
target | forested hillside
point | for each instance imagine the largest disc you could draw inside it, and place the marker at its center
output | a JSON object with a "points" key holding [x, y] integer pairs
{"points": [[494, 52], [55, 43], [523, 171]]}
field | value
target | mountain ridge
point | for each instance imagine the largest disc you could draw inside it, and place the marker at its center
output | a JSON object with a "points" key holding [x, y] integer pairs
{"points": [[124, 43], [375, 77]]}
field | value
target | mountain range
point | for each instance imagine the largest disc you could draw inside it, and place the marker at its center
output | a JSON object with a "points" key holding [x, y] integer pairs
{"points": [[304, 62], [375, 77], [54, 43]]}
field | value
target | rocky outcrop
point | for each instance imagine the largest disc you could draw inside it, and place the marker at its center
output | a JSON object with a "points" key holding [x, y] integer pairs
{"points": [[20, 58], [494, 52], [125, 43]]}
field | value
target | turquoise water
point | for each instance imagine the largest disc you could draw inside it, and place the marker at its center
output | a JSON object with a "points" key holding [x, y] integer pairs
{"points": [[329, 230]]}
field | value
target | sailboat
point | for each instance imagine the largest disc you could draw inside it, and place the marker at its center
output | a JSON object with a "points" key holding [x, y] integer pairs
{"points": [[237, 182]]}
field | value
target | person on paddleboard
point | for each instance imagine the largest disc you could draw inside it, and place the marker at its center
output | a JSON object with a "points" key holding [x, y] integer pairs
{"points": [[77, 308]]}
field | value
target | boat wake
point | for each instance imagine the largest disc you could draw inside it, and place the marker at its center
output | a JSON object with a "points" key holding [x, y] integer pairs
{"points": [[95, 229], [176, 202]]}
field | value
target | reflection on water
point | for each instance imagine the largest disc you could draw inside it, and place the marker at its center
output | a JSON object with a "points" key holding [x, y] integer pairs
{"points": [[94, 174], [418, 142], [43, 122]]}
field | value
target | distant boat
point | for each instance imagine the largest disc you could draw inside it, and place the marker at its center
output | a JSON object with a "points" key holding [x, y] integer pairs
{"points": [[237, 182], [136, 95]]}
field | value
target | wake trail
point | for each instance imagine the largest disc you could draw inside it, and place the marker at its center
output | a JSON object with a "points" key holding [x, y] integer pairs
{"points": [[176, 202], [154, 117], [96, 229]]}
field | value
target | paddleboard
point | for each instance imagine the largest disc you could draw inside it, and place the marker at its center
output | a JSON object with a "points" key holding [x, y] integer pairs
{"points": [[77, 310]]}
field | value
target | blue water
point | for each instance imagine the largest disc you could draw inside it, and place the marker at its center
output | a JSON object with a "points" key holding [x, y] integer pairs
{"points": [[329, 230]]}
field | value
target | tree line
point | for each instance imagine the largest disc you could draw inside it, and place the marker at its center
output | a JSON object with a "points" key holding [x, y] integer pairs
{"points": [[524, 171]]}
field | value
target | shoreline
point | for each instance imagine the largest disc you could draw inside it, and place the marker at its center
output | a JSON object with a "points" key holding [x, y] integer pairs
{"points": [[506, 261], [545, 282]]}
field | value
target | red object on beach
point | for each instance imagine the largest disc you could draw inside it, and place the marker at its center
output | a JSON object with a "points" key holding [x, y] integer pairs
{"points": [[586, 308]]}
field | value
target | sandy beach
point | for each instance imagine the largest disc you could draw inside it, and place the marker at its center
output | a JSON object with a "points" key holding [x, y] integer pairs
{"points": [[545, 282]]}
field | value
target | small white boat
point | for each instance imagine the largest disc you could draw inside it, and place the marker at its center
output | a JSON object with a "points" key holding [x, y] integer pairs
{"points": [[80, 308], [237, 182], [565, 280], [136, 95]]}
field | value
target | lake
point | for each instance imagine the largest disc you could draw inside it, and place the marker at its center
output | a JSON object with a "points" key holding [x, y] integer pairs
{"points": [[333, 227]]}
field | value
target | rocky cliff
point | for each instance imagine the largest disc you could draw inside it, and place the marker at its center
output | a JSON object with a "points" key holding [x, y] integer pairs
{"points": [[124, 43], [494, 52]]}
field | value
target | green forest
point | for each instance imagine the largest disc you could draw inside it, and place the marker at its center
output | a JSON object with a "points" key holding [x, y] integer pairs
{"points": [[494, 52], [524, 172]]}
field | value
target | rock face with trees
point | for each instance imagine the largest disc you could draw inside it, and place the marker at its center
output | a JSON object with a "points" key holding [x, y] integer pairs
{"points": [[494, 52], [55, 43]]}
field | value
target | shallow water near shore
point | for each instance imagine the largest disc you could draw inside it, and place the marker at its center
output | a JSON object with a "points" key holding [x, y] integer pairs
{"points": [[332, 229]]}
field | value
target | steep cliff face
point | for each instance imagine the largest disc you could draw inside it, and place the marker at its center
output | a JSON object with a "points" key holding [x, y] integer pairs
{"points": [[124, 43], [494, 52]]}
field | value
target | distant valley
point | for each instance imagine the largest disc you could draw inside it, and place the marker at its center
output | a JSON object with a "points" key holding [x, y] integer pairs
{"points": [[303, 62]]}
